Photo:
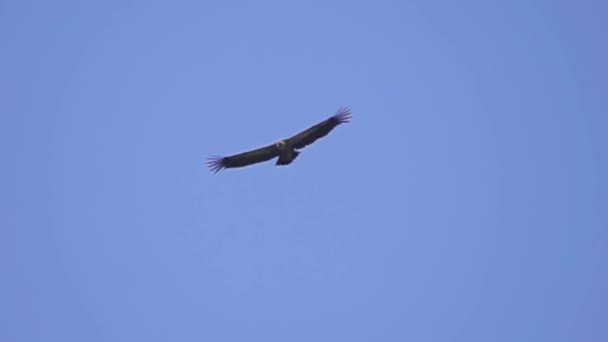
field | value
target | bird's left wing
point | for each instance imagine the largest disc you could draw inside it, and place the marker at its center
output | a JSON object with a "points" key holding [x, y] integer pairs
{"points": [[321, 129]]}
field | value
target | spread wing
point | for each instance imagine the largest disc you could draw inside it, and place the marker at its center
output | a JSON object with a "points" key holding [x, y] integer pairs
{"points": [[321, 129], [259, 155]]}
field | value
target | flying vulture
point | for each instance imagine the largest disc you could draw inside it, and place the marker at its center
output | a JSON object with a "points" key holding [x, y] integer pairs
{"points": [[285, 149]]}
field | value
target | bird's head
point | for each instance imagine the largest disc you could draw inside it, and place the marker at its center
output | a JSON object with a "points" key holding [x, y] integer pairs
{"points": [[280, 144]]}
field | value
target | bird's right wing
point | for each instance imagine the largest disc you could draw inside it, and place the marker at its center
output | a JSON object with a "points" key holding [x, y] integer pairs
{"points": [[259, 155]]}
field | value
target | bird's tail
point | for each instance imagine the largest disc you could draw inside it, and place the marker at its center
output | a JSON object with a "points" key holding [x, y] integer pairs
{"points": [[286, 160]]}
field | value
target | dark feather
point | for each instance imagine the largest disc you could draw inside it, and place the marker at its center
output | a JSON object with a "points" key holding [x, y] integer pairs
{"points": [[243, 159], [321, 129]]}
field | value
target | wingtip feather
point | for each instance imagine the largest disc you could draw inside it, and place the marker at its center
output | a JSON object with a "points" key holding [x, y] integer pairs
{"points": [[343, 115], [215, 163]]}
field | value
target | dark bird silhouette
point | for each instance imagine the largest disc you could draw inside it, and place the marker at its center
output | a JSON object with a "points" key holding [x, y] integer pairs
{"points": [[285, 149]]}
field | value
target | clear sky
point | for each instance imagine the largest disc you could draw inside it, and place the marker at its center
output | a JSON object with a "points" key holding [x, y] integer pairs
{"points": [[466, 201]]}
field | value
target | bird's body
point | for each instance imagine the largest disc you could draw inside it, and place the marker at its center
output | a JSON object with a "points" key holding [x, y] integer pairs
{"points": [[285, 149], [287, 153]]}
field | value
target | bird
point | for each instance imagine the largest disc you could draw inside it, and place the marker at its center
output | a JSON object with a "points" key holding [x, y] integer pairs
{"points": [[285, 149]]}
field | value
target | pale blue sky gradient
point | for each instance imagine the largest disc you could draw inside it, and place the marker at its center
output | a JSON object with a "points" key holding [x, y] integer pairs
{"points": [[466, 201]]}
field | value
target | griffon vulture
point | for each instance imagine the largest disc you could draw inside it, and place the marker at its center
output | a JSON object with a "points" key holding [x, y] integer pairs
{"points": [[285, 149]]}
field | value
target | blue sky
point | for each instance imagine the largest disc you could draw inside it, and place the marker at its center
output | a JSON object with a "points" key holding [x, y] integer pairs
{"points": [[466, 201]]}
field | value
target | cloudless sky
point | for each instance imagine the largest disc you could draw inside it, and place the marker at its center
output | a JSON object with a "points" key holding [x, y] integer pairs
{"points": [[466, 201]]}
